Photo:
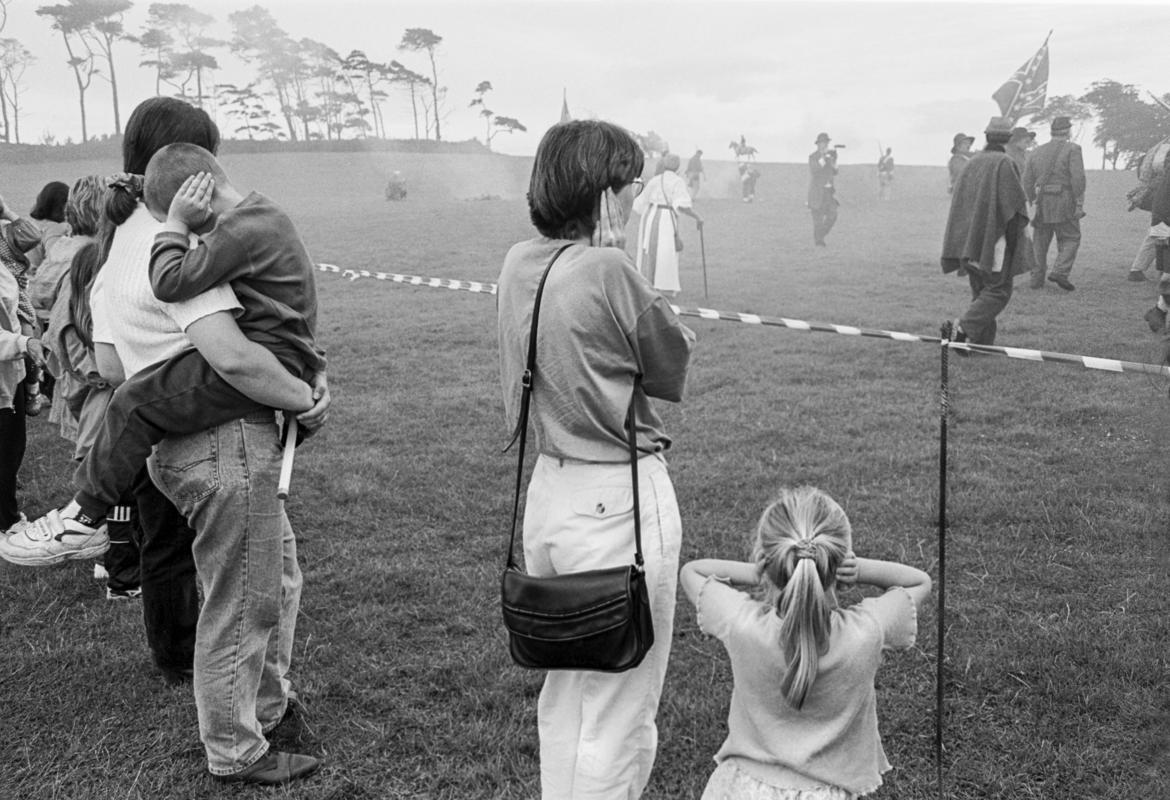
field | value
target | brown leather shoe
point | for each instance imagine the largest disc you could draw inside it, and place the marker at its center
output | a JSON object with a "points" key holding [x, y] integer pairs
{"points": [[1062, 282], [274, 768]]}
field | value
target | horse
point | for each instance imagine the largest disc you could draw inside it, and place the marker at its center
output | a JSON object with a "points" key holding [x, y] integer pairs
{"points": [[743, 151]]}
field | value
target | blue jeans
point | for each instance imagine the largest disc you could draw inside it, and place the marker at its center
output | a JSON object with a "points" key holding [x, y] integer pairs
{"points": [[224, 481]]}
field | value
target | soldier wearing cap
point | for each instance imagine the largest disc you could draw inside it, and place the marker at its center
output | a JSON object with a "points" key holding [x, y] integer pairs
{"points": [[987, 233], [1054, 180], [822, 194], [960, 155]]}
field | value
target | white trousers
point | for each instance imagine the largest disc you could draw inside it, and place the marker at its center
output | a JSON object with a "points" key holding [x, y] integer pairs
{"points": [[598, 735]]}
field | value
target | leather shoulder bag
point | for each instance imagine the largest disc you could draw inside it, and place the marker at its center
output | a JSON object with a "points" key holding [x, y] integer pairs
{"points": [[595, 620]]}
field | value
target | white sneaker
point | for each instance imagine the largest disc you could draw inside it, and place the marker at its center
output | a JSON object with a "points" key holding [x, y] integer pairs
{"points": [[53, 539], [17, 526]]}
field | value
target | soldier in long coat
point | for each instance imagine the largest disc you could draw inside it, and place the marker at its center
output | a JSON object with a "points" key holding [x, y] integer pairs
{"points": [[1054, 179]]}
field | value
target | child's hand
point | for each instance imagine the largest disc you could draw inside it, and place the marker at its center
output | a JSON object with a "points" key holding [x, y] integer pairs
{"points": [[191, 205], [847, 570]]}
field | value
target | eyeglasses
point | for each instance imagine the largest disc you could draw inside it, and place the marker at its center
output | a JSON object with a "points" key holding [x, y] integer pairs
{"points": [[638, 185]]}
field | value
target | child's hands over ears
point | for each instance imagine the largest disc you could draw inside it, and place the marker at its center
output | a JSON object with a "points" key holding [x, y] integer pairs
{"points": [[847, 570], [192, 203]]}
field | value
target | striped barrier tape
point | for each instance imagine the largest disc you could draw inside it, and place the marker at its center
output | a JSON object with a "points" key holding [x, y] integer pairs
{"points": [[1020, 353], [411, 280], [1025, 354]]}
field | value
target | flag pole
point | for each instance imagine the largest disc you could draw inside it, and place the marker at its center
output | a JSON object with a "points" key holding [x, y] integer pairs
{"points": [[947, 333], [1158, 100], [703, 252]]}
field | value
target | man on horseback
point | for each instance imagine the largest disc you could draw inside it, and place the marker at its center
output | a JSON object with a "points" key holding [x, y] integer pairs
{"points": [[744, 152]]}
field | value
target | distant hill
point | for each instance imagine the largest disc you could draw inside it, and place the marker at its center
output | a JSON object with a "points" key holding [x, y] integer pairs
{"points": [[358, 171], [111, 148]]}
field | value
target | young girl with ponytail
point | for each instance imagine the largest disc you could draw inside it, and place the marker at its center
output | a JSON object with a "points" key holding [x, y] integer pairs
{"points": [[803, 717]]}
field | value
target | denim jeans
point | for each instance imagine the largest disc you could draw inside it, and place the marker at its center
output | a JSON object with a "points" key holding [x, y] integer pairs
{"points": [[224, 480], [598, 736], [179, 396]]}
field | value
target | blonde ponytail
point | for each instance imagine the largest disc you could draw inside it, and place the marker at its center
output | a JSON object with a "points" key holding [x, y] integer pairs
{"points": [[801, 539]]}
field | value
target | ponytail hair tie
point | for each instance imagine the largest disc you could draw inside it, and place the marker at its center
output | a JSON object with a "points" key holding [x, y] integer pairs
{"points": [[806, 549], [127, 182]]}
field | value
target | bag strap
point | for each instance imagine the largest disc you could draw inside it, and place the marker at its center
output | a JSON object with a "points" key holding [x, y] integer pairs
{"points": [[521, 431], [1052, 167]]}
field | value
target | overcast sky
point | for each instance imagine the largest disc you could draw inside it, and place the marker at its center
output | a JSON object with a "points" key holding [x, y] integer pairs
{"points": [[700, 74]]}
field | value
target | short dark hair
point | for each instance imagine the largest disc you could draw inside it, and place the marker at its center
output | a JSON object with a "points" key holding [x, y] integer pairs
{"points": [[154, 123], [172, 165], [575, 163], [159, 121], [50, 203]]}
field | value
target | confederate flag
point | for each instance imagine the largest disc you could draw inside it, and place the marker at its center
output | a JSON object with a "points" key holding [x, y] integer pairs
{"points": [[1024, 92]]}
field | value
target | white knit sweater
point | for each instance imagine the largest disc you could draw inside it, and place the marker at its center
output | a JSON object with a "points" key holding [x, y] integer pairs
{"points": [[127, 315]]}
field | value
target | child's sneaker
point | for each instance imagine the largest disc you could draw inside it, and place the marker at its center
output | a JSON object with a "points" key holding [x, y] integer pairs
{"points": [[123, 594], [17, 526], [53, 539]]}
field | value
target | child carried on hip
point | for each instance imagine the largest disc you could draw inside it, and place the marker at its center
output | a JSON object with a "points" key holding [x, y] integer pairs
{"points": [[245, 240]]}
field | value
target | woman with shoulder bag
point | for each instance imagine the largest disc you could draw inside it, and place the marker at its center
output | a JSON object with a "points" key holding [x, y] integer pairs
{"points": [[601, 326]]}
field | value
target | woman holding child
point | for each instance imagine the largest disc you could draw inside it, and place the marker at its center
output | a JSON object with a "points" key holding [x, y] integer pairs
{"points": [[222, 480], [602, 326]]}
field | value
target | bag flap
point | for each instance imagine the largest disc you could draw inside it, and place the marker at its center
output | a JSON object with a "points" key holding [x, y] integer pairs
{"points": [[561, 595]]}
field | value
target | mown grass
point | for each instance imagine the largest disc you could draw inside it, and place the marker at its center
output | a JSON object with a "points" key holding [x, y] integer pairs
{"points": [[1056, 666]]}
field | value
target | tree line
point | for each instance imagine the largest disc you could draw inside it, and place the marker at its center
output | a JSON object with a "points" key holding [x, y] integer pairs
{"points": [[302, 89], [1126, 125]]}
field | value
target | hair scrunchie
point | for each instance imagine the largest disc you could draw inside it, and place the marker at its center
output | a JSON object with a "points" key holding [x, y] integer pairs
{"points": [[127, 182], [806, 549]]}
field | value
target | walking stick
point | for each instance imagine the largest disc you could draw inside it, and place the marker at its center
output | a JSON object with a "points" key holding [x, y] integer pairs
{"points": [[944, 404], [286, 464], [703, 252]]}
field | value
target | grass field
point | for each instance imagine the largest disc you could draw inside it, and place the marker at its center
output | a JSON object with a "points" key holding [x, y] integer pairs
{"points": [[1057, 626]]}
